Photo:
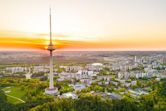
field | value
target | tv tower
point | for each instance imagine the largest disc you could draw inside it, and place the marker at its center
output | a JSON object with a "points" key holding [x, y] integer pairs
{"points": [[51, 89]]}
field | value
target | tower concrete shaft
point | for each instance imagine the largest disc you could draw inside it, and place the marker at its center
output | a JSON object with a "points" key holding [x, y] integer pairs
{"points": [[51, 83]]}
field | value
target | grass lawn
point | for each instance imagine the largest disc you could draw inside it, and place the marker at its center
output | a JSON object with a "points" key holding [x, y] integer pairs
{"points": [[14, 94]]}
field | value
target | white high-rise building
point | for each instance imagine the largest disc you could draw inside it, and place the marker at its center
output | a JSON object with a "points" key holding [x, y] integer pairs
{"points": [[135, 59]]}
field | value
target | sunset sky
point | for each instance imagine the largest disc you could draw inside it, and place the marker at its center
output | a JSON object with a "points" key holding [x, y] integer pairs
{"points": [[83, 24]]}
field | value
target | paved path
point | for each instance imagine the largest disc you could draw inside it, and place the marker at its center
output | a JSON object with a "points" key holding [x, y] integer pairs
{"points": [[16, 98]]}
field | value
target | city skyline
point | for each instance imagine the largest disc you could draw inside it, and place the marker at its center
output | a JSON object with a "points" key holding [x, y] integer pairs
{"points": [[83, 25]]}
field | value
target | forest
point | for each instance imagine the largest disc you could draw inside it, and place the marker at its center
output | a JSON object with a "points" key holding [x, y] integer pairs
{"points": [[35, 100]]}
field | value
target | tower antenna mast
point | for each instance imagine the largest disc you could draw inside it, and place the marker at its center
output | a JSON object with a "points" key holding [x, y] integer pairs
{"points": [[50, 28]]}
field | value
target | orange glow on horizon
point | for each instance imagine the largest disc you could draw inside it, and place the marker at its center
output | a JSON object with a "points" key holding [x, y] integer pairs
{"points": [[41, 44]]}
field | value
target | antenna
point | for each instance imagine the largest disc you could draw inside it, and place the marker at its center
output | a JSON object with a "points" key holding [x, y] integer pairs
{"points": [[50, 28]]}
